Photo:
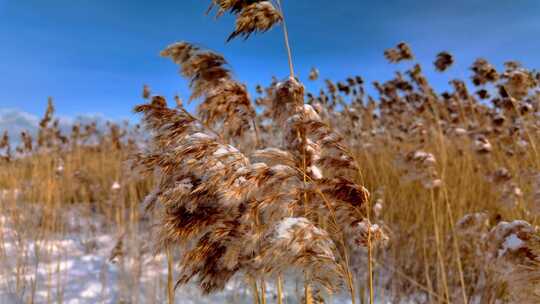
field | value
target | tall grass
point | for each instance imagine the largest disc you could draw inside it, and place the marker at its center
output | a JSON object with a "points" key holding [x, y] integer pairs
{"points": [[412, 195]]}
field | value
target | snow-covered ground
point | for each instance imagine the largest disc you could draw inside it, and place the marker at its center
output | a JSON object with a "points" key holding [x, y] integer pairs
{"points": [[75, 268]]}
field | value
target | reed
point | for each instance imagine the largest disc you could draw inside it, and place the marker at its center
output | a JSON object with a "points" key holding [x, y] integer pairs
{"points": [[412, 195]]}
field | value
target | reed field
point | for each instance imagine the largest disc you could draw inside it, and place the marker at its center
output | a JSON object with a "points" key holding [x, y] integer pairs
{"points": [[408, 195]]}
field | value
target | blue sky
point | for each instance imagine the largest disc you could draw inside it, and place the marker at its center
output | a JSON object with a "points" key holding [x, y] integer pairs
{"points": [[93, 56]]}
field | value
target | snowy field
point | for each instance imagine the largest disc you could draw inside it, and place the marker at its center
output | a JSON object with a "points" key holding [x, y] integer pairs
{"points": [[76, 267]]}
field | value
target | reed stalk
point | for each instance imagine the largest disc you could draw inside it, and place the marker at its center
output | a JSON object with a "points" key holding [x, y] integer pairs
{"points": [[170, 277], [286, 38]]}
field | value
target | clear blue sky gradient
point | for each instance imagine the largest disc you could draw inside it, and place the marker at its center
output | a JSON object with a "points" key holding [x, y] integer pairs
{"points": [[95, 55]]}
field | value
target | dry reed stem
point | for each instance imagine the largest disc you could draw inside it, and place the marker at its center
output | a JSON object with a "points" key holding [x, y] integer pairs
{"points": [[286, 38], [170, 277], [255, 291], [263, 292], [370, 260], [438, 247], [447, 203], [279, 290], [456, 245]]}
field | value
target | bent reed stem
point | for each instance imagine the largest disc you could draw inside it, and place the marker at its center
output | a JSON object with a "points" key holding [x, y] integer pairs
{"points": [[286, 37]]}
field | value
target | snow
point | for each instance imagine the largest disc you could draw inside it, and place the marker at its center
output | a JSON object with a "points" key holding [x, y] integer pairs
{"points": [[283, 169], [65, 270], [364, 226], [310, 113], [316, 172], [510, 236], [424, 157], [511, 243], [285, 228], [198, 136], [62, 268], [115, 186], [378, 208], [74, 268], [225, 150], [184, 185], [460, 131]]}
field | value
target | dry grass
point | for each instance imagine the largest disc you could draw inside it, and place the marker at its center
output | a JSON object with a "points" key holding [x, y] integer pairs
{"points": [[410, 196]]}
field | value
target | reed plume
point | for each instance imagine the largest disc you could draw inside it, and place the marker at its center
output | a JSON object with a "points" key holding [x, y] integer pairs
{"points": [[222, 207], [444, 61], [251, 16], [231, 211], [225, 102], [400, 53]]}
